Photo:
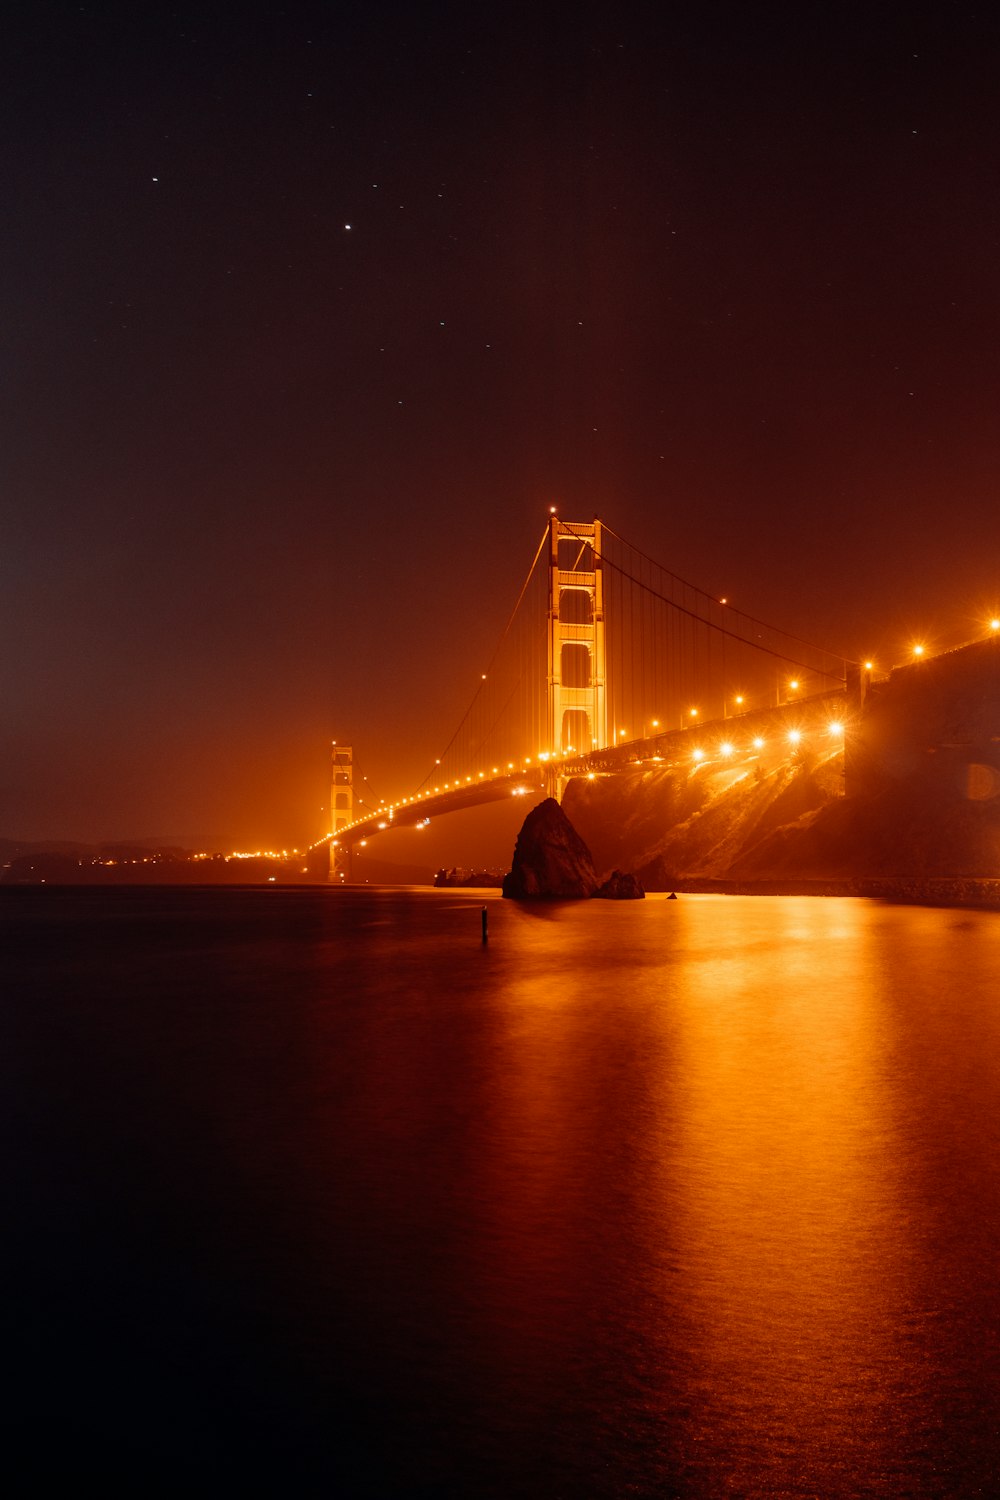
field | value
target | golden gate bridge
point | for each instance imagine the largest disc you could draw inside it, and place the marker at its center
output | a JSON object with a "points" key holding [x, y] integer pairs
{"points": [[609, 657]]}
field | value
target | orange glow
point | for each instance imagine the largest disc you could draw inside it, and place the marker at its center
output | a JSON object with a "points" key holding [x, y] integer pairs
{"points": [[869, 666], [995, 624], [835, 728], [758, 743], [698, 755], [794, 736], [794, 684], [918, 650], [726, 749]]}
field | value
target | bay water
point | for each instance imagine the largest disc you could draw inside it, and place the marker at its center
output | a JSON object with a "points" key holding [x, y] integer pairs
{"points": [[312, 1191]]}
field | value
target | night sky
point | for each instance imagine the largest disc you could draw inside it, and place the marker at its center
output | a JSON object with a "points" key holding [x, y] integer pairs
{"points": [[310, 312]]}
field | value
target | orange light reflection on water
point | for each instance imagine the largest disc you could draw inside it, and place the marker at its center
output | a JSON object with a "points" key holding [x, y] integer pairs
{"points": [[783, 1177], [692, 1174]]}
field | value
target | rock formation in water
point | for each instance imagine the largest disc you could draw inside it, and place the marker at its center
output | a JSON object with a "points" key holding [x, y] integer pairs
{"points": [[621, 885], [551, 861]]}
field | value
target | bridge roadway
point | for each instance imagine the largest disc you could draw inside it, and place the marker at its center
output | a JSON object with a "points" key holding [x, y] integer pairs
{"points": [[810, 718]]}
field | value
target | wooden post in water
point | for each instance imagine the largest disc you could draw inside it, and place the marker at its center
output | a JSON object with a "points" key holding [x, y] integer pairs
{"points": [[486, 923]]}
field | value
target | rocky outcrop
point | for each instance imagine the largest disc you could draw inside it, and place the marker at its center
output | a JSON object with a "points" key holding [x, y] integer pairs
{"points": [[551, 862], [621, 886]]}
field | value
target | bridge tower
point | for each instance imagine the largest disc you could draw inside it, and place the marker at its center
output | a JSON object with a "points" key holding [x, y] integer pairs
{"points": [[577, 671], [341, 808]]}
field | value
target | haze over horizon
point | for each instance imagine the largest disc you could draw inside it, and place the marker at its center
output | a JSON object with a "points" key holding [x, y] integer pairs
{"points": [[311, 314]]}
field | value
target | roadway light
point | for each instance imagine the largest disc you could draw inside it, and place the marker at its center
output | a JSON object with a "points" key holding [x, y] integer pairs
{"points": [[758, 743], [726, 749], [697, 755], [995, 624], [869, 666], [918, 650], [794, 685], [835, 728], [794, 735]]}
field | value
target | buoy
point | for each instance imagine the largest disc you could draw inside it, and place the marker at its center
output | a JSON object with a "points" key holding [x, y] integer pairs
{"points": [[486, 922]]}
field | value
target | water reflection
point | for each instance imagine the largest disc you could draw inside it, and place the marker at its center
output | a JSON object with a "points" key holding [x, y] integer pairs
{"points": [[702, 1194], [795, 1246], [688, 1199]]}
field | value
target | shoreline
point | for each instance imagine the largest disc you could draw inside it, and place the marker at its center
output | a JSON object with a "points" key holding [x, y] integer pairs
{"points": [[947, 890]]}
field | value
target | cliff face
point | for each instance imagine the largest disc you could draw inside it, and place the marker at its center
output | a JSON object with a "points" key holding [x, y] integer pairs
{"points": [[551, 861], [667, 823], [791, 821]]}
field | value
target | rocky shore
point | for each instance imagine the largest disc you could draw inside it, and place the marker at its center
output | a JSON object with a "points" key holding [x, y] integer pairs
{"points": [[943, 891]]}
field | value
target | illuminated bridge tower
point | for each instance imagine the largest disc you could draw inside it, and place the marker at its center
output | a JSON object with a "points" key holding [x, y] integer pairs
{"points": [[577, 678], [341, 809]]}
